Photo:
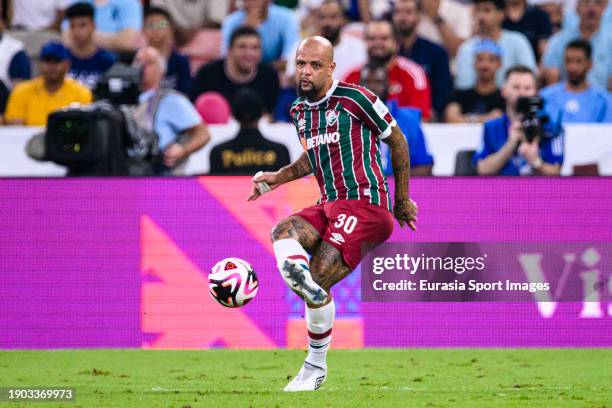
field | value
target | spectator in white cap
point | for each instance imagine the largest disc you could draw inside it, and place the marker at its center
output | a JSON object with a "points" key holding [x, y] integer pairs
{"points": [[516, 50], [484, 101]]}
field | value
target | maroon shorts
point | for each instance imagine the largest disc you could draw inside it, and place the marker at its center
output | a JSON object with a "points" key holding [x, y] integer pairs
{"points": [[350, 226]]}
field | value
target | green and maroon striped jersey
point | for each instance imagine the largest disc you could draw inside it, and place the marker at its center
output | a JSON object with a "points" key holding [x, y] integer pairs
{"points": [[341, 134]]}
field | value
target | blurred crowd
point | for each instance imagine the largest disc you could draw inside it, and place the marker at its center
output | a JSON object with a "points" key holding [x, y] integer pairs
{"points": [[432, 60]]}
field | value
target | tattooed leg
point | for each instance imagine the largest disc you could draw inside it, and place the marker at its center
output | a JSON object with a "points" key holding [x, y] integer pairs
{"points": [[292, 237], [295, 227], [327, 266]]}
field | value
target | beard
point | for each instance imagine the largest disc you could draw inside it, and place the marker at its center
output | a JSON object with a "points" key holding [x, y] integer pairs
{"points": [[308, 93], [382, 60], [405, 31], [576, 80], [332, 34]]}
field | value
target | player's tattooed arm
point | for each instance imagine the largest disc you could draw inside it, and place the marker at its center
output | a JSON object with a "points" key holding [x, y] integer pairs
{"points": [[296, 170], [271, 180], [400, 160], [405, 209]]}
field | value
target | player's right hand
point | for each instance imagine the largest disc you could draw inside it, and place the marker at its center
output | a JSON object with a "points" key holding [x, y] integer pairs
{"points": [[263, 182]]}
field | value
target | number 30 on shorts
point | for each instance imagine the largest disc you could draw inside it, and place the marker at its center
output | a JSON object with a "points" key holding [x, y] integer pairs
{"points": [[349, 223]]}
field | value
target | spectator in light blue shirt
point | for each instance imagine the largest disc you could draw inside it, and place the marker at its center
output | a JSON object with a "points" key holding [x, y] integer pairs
{"points": [[575, 100], [516, 49], [118, 24], [505, 149], [375, 78], [276, 25], [168, 114], [571, 19], [590, 27]]}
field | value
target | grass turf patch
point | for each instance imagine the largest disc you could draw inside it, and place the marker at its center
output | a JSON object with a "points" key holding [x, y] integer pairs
{"points": [[370, 377]]}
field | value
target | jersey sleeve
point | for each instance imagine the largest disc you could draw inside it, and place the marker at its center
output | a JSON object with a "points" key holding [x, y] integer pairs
{"points": [[179, 112], [421, 98], [372, 112], [417, 90], [552, 151]]}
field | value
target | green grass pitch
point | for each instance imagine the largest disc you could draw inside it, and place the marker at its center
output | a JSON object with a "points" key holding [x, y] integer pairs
{"points": [[360, 378]]}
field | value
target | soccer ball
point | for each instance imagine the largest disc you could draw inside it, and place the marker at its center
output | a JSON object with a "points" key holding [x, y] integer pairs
{"points": [[232, 282]]}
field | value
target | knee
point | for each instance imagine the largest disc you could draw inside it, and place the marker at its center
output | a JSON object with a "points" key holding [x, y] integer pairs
{"points": [[281, 230]]}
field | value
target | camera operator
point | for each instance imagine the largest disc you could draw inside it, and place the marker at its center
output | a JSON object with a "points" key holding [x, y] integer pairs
{"points": [[176, 122], [522, 141]]}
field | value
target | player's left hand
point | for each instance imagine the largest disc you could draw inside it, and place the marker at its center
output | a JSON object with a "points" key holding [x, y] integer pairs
{"points": [[405, 212], [173, 154]]}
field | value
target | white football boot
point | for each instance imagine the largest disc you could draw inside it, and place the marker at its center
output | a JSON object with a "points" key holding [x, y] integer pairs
{"points": [[298, 278], [309, 378]]}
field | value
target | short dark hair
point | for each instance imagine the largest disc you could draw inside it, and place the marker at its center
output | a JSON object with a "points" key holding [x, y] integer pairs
{"points": [[337, 2], [417, 3], [499, 4], [242, 32], [246, 105], [519, 69], [158, 11], [581, 44], [81, 9], [366, 30]]}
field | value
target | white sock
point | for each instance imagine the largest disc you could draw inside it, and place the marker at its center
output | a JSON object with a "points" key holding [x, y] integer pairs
{"points": [[319, 322], [290, 249]]}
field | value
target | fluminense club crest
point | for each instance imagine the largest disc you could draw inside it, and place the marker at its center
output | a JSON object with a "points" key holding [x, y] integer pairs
{"points": [[331, 116]]}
